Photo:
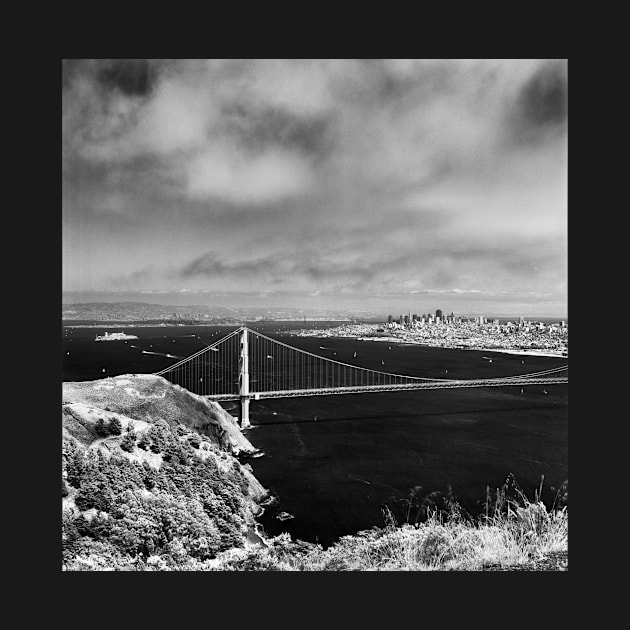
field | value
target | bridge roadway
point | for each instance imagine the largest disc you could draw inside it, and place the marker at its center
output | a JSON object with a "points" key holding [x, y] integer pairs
{"points": [[445, 384]]}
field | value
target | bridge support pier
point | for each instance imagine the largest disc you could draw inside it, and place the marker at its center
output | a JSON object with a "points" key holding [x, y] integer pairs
{"points": [[245, 423]]}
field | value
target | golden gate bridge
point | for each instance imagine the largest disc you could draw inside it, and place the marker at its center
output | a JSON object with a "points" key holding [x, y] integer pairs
{"points": [[247, 365]]}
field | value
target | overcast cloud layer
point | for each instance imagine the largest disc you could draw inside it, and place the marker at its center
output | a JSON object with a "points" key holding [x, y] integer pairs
{"points": [[384, 184]]}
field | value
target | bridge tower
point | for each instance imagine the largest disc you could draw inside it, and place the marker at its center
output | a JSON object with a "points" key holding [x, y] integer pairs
{"points": [[243, 379]]}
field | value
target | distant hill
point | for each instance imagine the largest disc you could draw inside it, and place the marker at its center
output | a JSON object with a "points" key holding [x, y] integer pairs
{"points": [[149, 470]]}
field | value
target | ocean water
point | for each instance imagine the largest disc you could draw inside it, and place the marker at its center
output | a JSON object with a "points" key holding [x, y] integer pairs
{"points": [[335, 462]]}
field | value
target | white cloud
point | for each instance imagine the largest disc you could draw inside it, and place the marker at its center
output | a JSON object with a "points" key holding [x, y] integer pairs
{"points": [[409, 172], [232, 175], [300, 86]]}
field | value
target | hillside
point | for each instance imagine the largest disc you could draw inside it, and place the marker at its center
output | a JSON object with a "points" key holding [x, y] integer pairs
{"points": [[149, 470], [147, 398], [150, 481]]}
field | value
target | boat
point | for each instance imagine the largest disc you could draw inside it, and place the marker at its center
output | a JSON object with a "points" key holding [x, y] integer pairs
{"points": [[114, 337]]}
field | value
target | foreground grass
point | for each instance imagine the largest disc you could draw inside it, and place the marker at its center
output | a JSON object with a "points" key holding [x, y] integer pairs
{"points": [[510, 535], [507, 540]]}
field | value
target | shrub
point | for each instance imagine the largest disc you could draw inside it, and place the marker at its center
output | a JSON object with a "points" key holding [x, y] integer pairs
{"points": [[194, 440]]}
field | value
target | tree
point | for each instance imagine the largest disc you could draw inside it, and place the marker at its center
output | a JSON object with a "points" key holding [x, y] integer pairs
{"points": [[161, 436], [128, 442], [115, 426], [145, 441], [75, 466], [101, 428]]}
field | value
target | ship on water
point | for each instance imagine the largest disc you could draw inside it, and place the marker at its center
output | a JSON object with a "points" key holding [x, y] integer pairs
{"points": [[117, 336]]}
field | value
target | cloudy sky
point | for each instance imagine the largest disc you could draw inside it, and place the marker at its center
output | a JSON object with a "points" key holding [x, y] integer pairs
{"points": [[368, 184]]}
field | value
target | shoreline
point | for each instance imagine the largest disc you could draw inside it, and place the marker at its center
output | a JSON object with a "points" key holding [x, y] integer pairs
{"points": [[533, 353], [409, 342]]}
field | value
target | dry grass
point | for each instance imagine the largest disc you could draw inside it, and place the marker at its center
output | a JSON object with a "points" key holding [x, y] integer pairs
{"points": [[512, 533]]}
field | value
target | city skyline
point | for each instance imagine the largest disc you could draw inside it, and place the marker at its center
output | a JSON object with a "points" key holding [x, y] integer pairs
{"points": [[323, 184]]}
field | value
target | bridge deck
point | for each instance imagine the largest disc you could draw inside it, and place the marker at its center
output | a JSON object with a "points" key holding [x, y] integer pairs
{"points": [[446, 384]]}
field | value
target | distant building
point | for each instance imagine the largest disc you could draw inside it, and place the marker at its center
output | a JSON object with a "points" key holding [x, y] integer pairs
{"points": [[438, 313]]}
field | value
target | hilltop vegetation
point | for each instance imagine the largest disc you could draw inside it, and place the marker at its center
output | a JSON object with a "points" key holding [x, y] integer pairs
{"points": [[151, 475]]}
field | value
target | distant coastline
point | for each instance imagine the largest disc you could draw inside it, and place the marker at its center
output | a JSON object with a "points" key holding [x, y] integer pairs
{"points": [[73, 323], [510, 346], [406, 342], [328, 334]]}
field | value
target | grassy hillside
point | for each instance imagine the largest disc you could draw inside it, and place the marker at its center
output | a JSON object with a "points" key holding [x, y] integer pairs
{"points": [[148, 470], [513, 535], [148, 398]]}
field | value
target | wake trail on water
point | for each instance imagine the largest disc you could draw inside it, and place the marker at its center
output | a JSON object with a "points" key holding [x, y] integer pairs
{"points": [[162, 354]]}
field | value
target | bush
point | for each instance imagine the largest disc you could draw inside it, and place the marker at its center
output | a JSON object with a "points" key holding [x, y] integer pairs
{"points": [[194, 440]]}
